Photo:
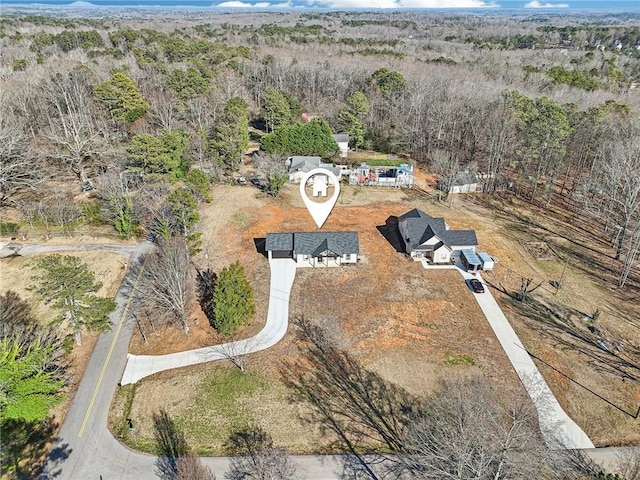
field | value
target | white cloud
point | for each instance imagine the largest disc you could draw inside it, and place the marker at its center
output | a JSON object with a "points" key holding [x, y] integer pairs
{"points": [[82, 4], [537, 4], [240, 4], [404, 3]]}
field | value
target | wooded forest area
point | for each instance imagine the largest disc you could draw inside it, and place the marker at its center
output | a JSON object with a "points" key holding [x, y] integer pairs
{"points": [[545, 106]]}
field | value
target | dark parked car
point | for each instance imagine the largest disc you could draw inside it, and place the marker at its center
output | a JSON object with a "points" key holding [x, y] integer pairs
{"points": [[476, 285]]}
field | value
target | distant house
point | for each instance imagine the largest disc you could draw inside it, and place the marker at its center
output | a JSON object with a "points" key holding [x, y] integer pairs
{"points": [[314, 249], [299, 166], [343, 143], [429, 238], [462, 182], [382, 176]]}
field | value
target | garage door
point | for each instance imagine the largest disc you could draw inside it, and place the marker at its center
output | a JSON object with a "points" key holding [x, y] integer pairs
{"points": [[282, 254]]}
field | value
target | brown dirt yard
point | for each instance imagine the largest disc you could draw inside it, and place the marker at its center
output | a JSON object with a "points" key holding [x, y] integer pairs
{"points": [[412, 326]]}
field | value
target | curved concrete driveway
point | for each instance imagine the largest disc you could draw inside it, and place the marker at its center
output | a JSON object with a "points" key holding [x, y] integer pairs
{"points": [[558, 429], [283, 272]]}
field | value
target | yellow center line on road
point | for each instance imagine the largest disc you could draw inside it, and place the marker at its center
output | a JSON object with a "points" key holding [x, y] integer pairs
{"points": [[113, 344]]}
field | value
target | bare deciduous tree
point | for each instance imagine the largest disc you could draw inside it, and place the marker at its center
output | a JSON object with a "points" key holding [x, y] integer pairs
{"points": [[465, 430], [117, 201], [256, 458], [616, 181], [629, 463], [167, 286], [236, 350], [462, 430], [149, 204], [19, 167], [190, 467], [74, 127], [63, 211], [273, 167], [446, 164]]}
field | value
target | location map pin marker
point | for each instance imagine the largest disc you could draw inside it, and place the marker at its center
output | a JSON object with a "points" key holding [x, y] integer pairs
{"points": [[320, 211]]}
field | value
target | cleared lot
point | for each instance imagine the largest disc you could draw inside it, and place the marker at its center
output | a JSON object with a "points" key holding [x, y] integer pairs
{"points": [[410, 325]]}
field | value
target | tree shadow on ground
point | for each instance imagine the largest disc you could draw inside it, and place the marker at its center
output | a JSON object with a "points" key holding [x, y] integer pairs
{"points": [[205, 285], [24, 449], [391, 234], [57, 456], [365, 413], [586, 249], [171, 445], [605, 355], [24, 445]]}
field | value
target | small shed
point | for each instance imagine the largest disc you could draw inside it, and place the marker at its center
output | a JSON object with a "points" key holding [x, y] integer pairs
{"points": [[487, 261], [461, 182]]}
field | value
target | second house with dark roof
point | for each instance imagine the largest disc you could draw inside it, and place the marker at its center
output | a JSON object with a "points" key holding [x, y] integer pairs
{"points": [[429, 238], [314, 249]]}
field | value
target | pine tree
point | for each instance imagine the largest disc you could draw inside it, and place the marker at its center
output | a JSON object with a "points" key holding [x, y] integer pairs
{"points": [[233, 304], [32, 366], [232, 134], [29, 389], [120, 97], [164, 153], [356, 107], [183, 208], [70, 287], [275, 108]]}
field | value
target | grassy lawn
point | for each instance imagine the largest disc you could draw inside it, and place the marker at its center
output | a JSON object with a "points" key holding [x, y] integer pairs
{"points": [[214, 402], [221, 396]]}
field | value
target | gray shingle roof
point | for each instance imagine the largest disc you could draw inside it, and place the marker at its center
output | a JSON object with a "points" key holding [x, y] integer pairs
{"points": [[304, 163], [314, 243], [453, 238], [279, 241], [422, 226]]}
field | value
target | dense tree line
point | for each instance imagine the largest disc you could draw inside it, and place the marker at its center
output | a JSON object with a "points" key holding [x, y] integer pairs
{"points": [[175, 101]]}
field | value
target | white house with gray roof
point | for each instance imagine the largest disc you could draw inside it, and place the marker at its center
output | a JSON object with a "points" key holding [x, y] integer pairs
{"points": [[299, 166], [429, 238], [314, 249], [343, 143]]}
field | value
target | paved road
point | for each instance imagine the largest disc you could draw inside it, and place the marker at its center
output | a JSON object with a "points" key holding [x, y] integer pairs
{"points": [[20, 249], [85, 448], [283, 272], [558, 429]]}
